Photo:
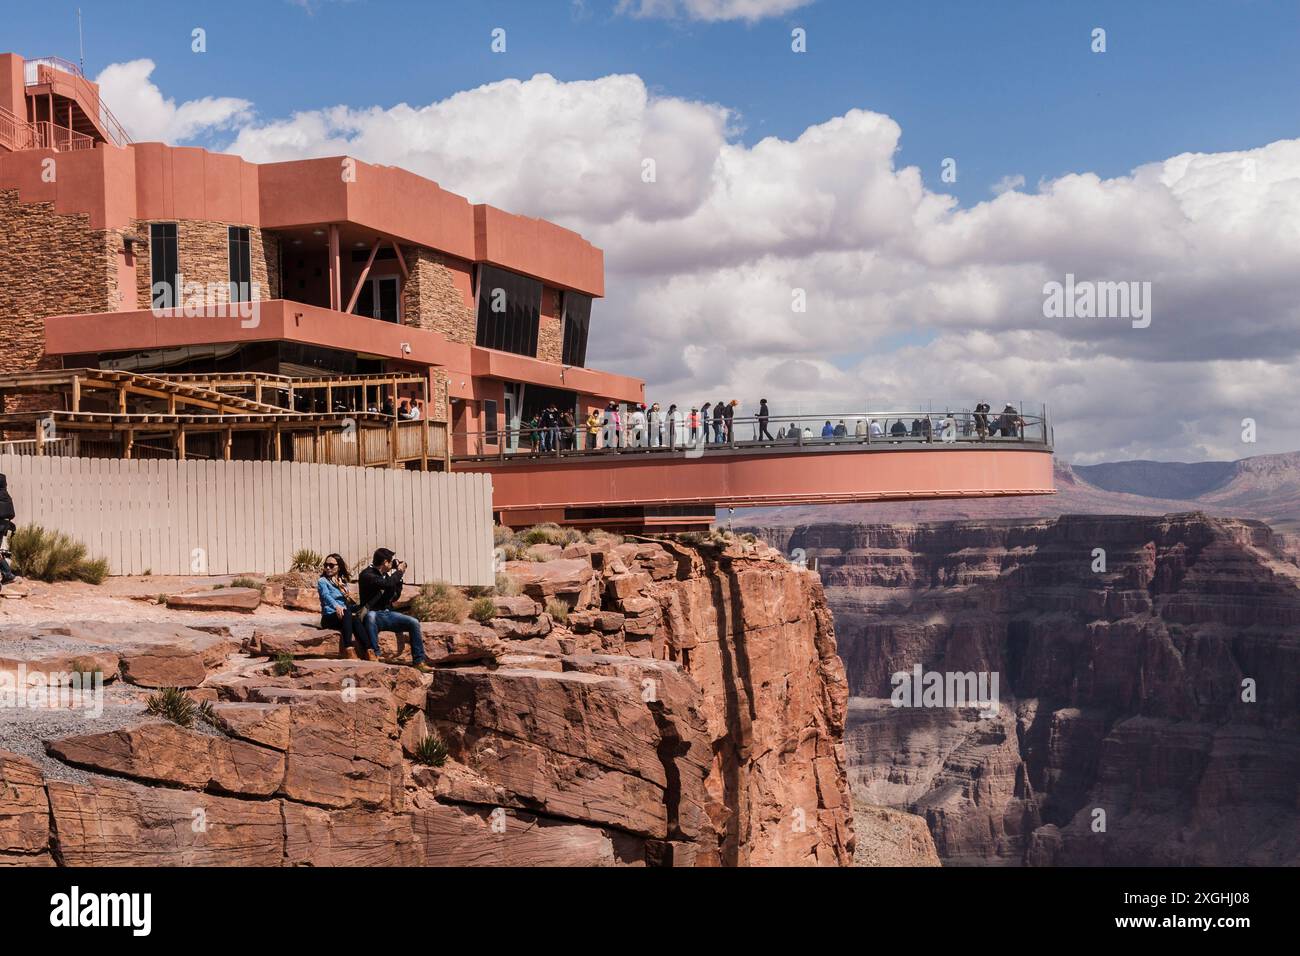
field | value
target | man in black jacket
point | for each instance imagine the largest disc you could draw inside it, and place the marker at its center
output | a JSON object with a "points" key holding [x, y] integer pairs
{"points": [[379, 586], [7, 515]]}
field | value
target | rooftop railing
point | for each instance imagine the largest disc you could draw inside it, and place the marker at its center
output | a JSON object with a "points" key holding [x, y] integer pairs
{"points": [[774, 434], [34, 74]]}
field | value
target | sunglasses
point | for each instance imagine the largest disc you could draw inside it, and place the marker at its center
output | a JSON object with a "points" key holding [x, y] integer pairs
{"points": [[330, 564]]}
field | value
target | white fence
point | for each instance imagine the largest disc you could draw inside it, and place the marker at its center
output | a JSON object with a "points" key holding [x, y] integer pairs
{"points": [[235, 517]]}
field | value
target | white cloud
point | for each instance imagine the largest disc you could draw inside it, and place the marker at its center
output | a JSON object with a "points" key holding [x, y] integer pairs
{"points": [[710, 10], [1007, 183], [149, 116], [910, 297]]}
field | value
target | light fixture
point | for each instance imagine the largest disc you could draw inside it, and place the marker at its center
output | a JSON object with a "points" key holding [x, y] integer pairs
{"points": [[318, 232]]}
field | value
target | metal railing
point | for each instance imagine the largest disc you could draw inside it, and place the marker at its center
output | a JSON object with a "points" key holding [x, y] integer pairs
{"points": [[48, 135], [33, 75], [15, 133], [776, 433]]}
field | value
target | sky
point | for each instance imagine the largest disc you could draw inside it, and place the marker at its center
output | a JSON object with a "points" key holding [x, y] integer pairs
{"points": [[872, 221]]}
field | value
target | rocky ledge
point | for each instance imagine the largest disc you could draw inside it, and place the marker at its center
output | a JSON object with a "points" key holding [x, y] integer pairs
{"points": [[679, 705]]}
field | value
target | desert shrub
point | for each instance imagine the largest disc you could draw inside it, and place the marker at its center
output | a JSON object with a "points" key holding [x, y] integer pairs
{"points": [[596, 536], [307, 561], [431, 751], [405, 713], [501, 534], [558, 610], [513, 551], [506, 586], [248, 583], [172, 703], [53, 556], [439, 601], [550, 533], [483, 609], [283, 665]]}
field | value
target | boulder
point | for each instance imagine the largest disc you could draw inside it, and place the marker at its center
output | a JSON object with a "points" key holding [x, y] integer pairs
{"points": [[300, 599], [513, 630], [24, 810], [343, 749], [264, 724], [447, 645], [517, 606], [125, 824], [296, 640], [161, 752], [243, 600]]}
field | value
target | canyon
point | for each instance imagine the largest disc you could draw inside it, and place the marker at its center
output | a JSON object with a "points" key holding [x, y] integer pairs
{"points": [[643, 703], [1150, 672]]}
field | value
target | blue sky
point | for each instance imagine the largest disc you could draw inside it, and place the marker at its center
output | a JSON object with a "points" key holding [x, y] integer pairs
{"points": [[1005, 88]]}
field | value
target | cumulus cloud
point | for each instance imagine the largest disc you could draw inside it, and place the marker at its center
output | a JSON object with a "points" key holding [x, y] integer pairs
{"points": [[910, 298], [148, 115], [1007, 183], [710, 10]]}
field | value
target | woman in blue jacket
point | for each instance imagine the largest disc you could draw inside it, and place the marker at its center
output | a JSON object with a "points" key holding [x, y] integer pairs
{"points": [[337, 610]]}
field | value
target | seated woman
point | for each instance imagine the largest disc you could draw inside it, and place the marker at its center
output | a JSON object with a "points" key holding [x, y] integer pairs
{"points": [[337, 610]]}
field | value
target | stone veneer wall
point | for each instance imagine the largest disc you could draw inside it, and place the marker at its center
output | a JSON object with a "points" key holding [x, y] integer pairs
{"points": [[431, 300], [50, 264], [550, 334], [203, 256]]}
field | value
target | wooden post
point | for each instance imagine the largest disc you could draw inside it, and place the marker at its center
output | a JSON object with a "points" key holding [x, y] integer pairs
{"points": [[424, 444], [180, 443], [40, 437], [315, 453], [329, 398], [76, 394], [278, 453], [227, 441], [257, 391], [121, 401], [128, 444], [171, 404]]}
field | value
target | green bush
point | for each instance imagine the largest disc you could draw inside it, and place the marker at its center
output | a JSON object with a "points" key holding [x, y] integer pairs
{"points": [[306, 560], [283, 665], [439, 601], [550, 533], [431, 751], [172, 703], [483, 609], [596, 536], [405, 713], [253, 583], [53, 556]]}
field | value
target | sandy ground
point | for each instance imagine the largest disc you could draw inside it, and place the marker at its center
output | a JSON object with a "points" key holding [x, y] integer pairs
{"points": [[122, 599]]}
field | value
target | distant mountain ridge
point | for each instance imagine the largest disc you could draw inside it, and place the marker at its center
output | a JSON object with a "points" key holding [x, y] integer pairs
{"points": [[1266, 487]]}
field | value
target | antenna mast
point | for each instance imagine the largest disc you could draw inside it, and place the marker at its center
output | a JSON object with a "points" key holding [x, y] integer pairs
{"points": [[81, 41]]}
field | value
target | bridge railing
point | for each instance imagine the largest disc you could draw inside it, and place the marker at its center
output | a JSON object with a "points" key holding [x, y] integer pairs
{"points": [[775, 433]]}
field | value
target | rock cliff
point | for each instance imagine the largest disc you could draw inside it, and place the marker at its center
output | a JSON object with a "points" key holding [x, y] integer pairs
{"points": [[1149, 682], [645, 703]]}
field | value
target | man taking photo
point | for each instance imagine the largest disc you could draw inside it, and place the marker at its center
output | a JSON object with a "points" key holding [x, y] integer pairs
{"points": [[380, 585]]}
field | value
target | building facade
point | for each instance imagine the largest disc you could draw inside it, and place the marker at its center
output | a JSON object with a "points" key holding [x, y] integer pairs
{"points": [[149, 258]]}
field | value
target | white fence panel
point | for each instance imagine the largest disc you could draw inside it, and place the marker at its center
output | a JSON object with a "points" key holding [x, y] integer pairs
{"points": [[239, 517]]}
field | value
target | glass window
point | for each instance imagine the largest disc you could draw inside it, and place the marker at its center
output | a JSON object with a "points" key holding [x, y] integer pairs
{"points": [[490, 421], [241, 266], [508, 309], [164, 280], [577, 323]]}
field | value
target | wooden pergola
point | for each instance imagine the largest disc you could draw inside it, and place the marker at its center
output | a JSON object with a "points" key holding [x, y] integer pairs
{"points": [[111, 412]]}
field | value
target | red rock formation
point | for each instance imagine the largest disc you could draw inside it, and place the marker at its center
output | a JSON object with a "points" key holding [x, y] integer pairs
{"points": [[1122, 689], [690, 713]]}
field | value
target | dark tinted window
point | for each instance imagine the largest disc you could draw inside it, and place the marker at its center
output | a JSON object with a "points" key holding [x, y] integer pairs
{"points": [[241, 266], [508, 310], [577, 323], [163, 278], [490, 421]]}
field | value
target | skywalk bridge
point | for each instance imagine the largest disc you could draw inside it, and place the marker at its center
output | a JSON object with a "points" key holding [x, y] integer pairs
{"points": [[635, 480]]}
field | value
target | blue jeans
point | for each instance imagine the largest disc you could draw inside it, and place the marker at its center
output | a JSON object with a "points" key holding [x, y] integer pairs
{"points": [[377, 621]]}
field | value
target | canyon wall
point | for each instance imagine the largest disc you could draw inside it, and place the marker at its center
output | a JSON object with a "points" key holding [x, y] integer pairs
{"points": [[646, 703], [1150, 706]]}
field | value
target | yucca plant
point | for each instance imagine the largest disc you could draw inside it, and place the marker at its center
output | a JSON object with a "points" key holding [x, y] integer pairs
{"points": [[53, 556], [172, 703], [431, 751], [306, 560], [405, 713]]}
